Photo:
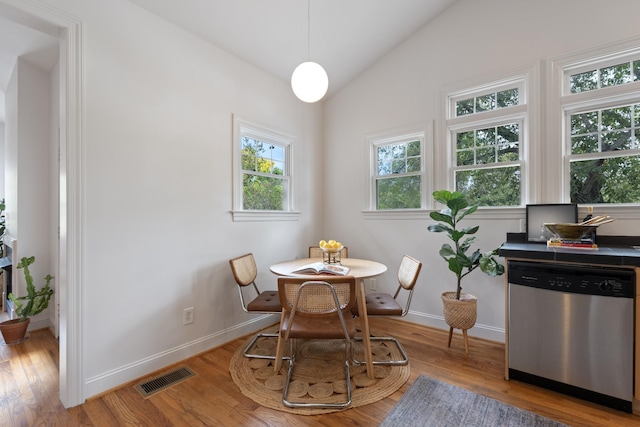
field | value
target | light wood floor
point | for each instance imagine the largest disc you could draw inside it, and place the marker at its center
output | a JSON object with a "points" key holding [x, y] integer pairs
{"points": [[29, 389]]}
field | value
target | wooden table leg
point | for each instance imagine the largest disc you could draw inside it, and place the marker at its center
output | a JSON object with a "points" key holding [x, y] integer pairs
{"points": [[277, 363], [364, 325]]}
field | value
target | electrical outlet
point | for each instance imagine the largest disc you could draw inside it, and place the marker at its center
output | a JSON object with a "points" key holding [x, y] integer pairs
{"points": [[373, 286], [187, 316]]}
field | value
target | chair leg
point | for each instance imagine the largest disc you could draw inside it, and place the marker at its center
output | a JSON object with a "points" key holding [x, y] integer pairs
{"points": [[251, 344], [404, 359], [347, 372], [450, 336]]}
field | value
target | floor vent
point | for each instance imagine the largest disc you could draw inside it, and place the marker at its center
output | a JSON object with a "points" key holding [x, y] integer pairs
{"points": [[161, 382]]}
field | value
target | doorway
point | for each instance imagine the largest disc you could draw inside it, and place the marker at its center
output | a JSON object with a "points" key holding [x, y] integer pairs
{"points": [[68, 30]]}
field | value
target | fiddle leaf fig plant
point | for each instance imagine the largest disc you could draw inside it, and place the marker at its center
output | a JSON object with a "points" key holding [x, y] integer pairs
{"points": [[36, 300], [461, 263]]}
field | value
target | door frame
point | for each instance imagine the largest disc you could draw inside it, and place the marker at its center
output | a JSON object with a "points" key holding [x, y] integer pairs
{"points": [[69, 30]]}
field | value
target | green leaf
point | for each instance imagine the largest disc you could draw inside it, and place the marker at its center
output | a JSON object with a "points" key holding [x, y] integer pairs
{"points": [[467, 243], [442, 217], [456, 235], [455, 266], [456, 258], [471, 230], [437, 228], [457, 204], [447, 251], [469, 211]]}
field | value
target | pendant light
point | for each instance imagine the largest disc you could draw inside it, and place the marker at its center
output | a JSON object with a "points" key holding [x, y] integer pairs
{"points": [[309, 81]]}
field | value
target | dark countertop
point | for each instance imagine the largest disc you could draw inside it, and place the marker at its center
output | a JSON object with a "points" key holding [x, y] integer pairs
{"points": [[603, 255]]}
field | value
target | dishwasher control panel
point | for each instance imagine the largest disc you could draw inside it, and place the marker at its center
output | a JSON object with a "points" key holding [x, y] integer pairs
{"points": [[613, 282]]}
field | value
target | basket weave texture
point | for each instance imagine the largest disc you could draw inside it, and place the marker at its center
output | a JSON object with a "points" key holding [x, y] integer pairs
{"points": [[319, 369], [460, 314]]}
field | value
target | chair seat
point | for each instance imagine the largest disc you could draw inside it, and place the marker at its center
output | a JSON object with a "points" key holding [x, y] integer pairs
{"points": [[318, 328], [381, 304], [267, 301]]}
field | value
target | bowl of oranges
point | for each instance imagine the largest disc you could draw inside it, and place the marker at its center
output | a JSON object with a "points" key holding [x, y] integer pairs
{"points": [[330, 246]]}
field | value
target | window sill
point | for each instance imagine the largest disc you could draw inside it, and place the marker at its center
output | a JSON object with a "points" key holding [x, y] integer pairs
{"points": [[411, 214], [249, 216], [626, 212]]}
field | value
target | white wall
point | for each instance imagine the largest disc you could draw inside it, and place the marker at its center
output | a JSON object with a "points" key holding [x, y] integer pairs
{"points": [[54, 193], [157, 111], [28, 173], [158, 234], [471, 39]]}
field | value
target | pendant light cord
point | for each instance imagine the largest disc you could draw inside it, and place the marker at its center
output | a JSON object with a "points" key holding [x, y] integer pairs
{"points": [[308, 30]]}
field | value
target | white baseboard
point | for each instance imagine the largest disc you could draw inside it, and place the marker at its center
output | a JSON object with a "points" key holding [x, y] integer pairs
{"points": [[138, 369], [479, 330]]}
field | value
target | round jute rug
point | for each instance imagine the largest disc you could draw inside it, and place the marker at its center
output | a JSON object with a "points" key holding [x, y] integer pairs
{"points": [[318, 374]]}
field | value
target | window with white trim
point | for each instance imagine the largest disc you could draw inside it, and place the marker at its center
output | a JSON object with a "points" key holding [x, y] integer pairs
{"points": [[485, 137], [600, 105], [397, 172], [262, 168]]}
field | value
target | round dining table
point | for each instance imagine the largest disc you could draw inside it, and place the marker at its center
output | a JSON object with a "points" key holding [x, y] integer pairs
{"points": [[360, 269]]}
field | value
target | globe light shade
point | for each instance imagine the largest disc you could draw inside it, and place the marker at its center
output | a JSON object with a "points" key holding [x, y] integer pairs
{"points": [[309, 82]]}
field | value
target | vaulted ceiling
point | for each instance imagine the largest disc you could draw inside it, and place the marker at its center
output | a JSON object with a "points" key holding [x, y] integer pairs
{"points": [[344, 36]]}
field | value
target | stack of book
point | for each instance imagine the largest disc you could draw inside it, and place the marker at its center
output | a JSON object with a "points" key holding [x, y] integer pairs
{"points": [[557, 242]]}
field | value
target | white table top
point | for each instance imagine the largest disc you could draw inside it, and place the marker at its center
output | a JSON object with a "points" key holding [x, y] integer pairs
{"points": [[358, 268]]}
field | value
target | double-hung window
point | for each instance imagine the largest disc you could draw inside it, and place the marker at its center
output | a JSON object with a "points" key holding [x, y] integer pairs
{"points": [[262, 169], [397, 171], [600, 105], [487, 130]]}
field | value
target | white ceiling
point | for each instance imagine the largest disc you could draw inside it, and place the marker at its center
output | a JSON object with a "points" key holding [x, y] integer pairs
{"points": [[346, 36], [17, 40]]}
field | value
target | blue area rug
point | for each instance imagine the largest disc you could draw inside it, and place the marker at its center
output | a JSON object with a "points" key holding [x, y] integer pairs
{"points": [[432, 403]]}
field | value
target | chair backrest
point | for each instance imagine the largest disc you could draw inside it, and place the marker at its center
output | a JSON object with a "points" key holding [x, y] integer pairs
{"points": [[316, 252], [317, 297], [330, 297], [244, 269], [408, 272], [407, 277]]}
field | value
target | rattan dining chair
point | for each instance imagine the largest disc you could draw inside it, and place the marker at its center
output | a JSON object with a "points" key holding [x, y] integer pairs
{"points": [[316, 309], [316, 252], [384, 305], [245, 272]]}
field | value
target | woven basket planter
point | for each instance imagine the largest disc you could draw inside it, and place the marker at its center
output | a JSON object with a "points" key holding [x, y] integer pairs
{"points": [[460, 314]]}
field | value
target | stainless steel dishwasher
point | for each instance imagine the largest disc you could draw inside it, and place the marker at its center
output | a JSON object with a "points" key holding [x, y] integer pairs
{"points": [[571, 330]]}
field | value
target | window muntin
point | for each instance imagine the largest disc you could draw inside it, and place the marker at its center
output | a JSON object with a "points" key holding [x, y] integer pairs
{"points": [[607, 129], [611, 75], [487, 102], [262, 184], [599, 108], [604, 159], [487, 165], [398, 169], [495, 144], [485, 133], [263, 175]]}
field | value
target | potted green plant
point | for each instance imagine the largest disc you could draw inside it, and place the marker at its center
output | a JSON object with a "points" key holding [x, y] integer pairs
{"points": [[460, 309], [25, 307]]}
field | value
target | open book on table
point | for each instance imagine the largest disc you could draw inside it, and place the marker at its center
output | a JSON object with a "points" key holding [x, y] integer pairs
{"points": [[322, 268]]}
